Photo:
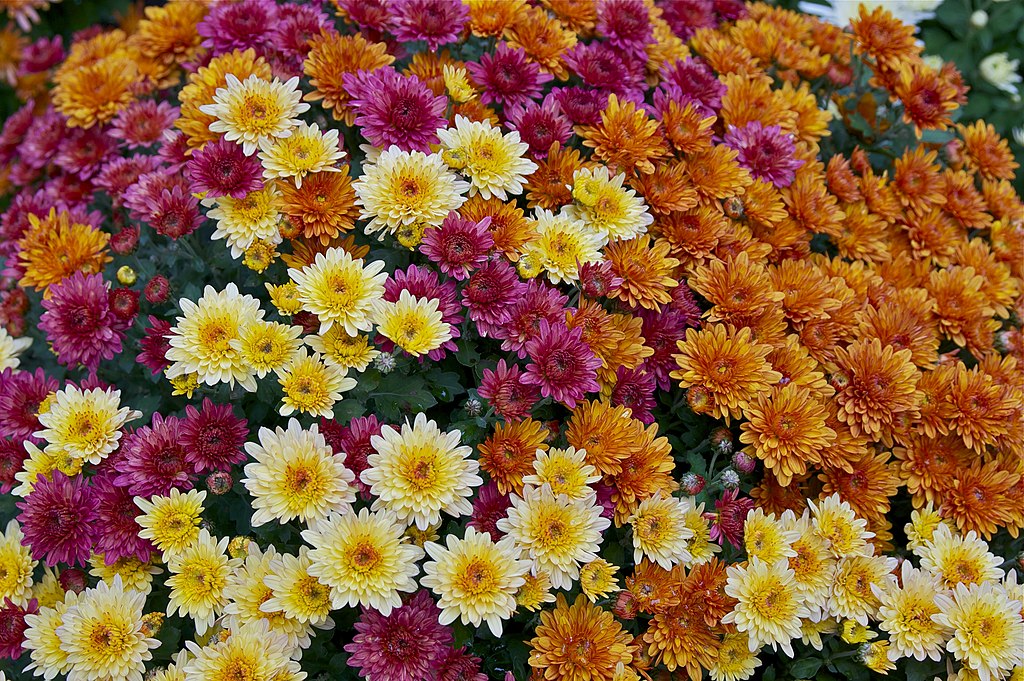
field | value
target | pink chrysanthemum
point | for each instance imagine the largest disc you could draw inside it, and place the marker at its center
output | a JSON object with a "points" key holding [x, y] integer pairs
{"points": [[353, 441], [118, 533], [42, 54], [538, 302], [634, 388], [765, 151], [730, 10], [141, 196], [42, 139], [489, 506], [489, 293], [13, 626], [174, 150], [539, 125], [153, 459], [582, 105], [598, 279], [296, 26], [238, 26], [729, 517], [21, 393], [12, 455], [143, 123], [157, 289], [71, 191], [687, 16], [124, 303], [602, 66], [175, 213], [458, 246], [562, 364], [83, 152], [507, 76], [661, 331], [626, 26], [121, 173], [58, 519], [213, 438], [15, 220], [155, 345], [392, 109], [221, 168], [79, 323], [407, 645], [505, 390], [371, 16], [438, 22], [424, 283], [697, 83], [14, 130], [459, 665]]}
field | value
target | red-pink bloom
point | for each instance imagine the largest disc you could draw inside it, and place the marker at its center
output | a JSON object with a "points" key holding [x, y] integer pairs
{"points": [[83, 152], [124, 303], [539, 125], [42, 54], [696, 83], [143, 123], [58, 519], [459, 665], [221, 168], [213, 438], [392, 109], [539, 302], [489, 293], [13, 626], [765, 151], [140, 197], [14, 130], [79, 323], [489, 506], [424, 283], [598, 279], [407, 645], [118, 533], [505, 390], [458, 245], [175, 213], [562, 364], [634, 388], [438, 22], [174, 150], [121, 173], [21, 393], [154, 459], [729, 516], [626, 25], [239, 25], [155, 345], [354, 441], [687, 16], [12, 455], [371, 16], [126, 241], [42, 139], [602, 66], [507, 76], [582, 105], [157, 289], [661, 331], [297, 25], [730, 10]]}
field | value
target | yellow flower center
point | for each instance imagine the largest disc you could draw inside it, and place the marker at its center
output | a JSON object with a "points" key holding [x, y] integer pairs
{"points": [[477, 577], [108, 639], [364, 557]]}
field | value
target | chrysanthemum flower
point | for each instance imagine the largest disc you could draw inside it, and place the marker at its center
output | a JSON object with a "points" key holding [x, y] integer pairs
{"points": [[198, 575], [395, 110], [556, 532], [364, 558], [311, 386], [420, 472], [404, 188], [905, 612], [767, 152], [458, 245], [476, 578], [413, 324], [58, 519], [660, 533], [605, 206], [507, 454], [299, 595], [766, 538], [324, 207], [305, 151], [597, 579], [852, 595], [565, 470], [37, 465], [987, 628], [956, 559], [647, 272], [881, 387], [255, 110], [626, 138], [240, 222], [507, 76], [56, 246], [201, 340], [118, 539], [85, 424], [221, 168], [561, 244], [769, 607], [254, 648], [535, 592], [10, 348], [679, 638], [16, 565], [171, 522], [561, 364], [268, 346], [812, 564], [331, 57], [540, 126], [836, 523], [79, 323], [340, 289], [48, 658], [494, 163], [95, 92], [928, 98], [735, 661], [226, 28], [296, 475], [136, 575], [581, 641]]}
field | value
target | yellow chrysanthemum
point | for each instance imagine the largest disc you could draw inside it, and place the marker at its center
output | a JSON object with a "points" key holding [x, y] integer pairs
{"points": [[921, 528], [310, 386], [296, 475], [260, 255], [597, 579], [268, 346], [85, 424], [413, 324], [306, 150], [535, 592], [854, 632], [735, 660], [133, 573], [247, 595], [102, 634], [298, 594], [49, 658], [987, 628], [420, 472], [337, 347], [494, 163], [659, 531], [364, 558], [16, 565], [559, 245], [10, 348], [340, 289], [243, 222], [95, 92], [700, 546], [556, 532], [766, 538], [852, 595], [253, 651], [175, 671], [48, 590], [254, 110], [199, 573], [285, 298], [38, 463], [812, 564], [54, 247], [565, 470], [456, 82], [769, 606], [403, 188], [606, 207], [475, 578], [812, 629], [171, 522], [836, 523], [956, 559], [201, 341], [905, 612]]}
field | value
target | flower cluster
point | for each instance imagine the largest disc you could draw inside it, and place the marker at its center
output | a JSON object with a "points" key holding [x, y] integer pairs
{"points": [[591, 340]]}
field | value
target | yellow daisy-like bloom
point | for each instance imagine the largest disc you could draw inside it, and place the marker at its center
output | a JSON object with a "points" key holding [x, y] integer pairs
{"points": [[268, 346], [855, 632], [581, 642], [296, 475], [875, 657], [606, 207], [171, 522], [766, 538], [312, 387], [84, 424], [812, 629], [38, 463], [253, 651], [364, 558], [199, 573], [176, 670], [306, 150], [852, 595], [565, 470], [186, 384], [254, 110], [48, 591], [735, 660], [475, 578], [340, 289], [535, 591], [201, 341], [94, 93], [16, 565], [812, 564], [659, 531], [260, 255], [556, 532], [922, 526], [700, 546], [298, 594], [559, 245], [836, 523], [102, 634], [413, 324], [905, 612], [285, 298], [420, 472], [402, 188], [10, 348], [494, 163], [456, 82], [337, 347], [133, 573], [769, 606], [987, 628], [597, 579], [243, 222], [49, 658], [956, 559], [54, 247]]}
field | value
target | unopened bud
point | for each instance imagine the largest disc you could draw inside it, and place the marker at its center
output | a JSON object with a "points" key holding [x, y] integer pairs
{"points": [[219, 483], [700, 399], [238, 547], [692, 483], [125, 241], [126, 275], [474, 407], [734, 207], [721, 440], [384, 362], [979, 19], [72, 579], [625, 605], [744, 463], [839, 381], [730, 479], [157, 289]]}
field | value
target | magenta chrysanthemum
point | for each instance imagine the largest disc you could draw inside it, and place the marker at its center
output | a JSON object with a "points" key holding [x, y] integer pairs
{"points": [[141, 196], [634, 388], [459, 665], [505, 390], [13, 626], [221, 168], [12, 455], [353, 441], [507, 76], [539, 125], [42, 139], [121, 173], [489, 506], [118, 533], [687, 16], [392, 109], [82, 153], [729, 517], [562, 364], [537, 302], [767, 152], [458, 246], [239, 25], [143, 123], [661, 331], [58, 519], [602, 66], [21, 394], [405, 646], [155, 345], [213, 438], [582, 105], [626, 25], [696, 83], [489, 293], [79, 323], [153, 459], [438, 22], [175, 213], [14, 130], [297, 24]]}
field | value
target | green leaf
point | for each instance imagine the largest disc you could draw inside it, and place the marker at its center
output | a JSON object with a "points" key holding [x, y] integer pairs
{"points": [[805, 667], [852, 669], [923, 671]]}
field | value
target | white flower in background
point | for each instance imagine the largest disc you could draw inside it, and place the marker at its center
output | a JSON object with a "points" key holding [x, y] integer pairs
{"points": [[840, 12], [1001, 71], [10, 348], [933, 61], [1018, 136], [979, 19]]}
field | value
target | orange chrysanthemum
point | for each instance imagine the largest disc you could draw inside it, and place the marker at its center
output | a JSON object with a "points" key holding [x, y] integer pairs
{"points": [[646, 471], [54, 248], [978, 498], [577, 15], [429, 68], [986, 153], [927, 464], [927, 97], [722, 54], [509, 227], [803, 286], [964, 202], [628, 351], [603, 431], [599, 330], [652, 588], [883, 37], [666, 190], [981, 408], [880, 197], [331, 56], [933, 235], [841, 180], [693, 236], [863, 235], [95, 93], [811, 121], [936, 412], [550, 185], [904, 322], [581, 642], [868, 487], [737, 288], [687, 129], [797, 367], [490, 18], [646, 272], [786, 429], [917, 179], [751, 98], [1002, 199], [508, 453], [763, 208], [543, 39], [811, 205], [879, 384], [773, 497], [727, 363], [705, 584], [324, 207], [168, 34], [960, 303], [999, 286], [679, 638], [716, 174], [304, 252], [626, 138]]}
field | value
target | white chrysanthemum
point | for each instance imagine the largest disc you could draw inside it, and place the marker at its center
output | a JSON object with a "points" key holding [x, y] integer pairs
{"points": [[852, 596], [297, 593], [38, 463], [494, 163], [769, 606], [199, 574], [606, 207], [255, 110], [305, 151], [835, 521], [16, 565], [840, 12], [566, 470], [10, 348], [765, 537], [987, 628], [560, 244], [340, 289], [49, 659], [812, 564], [253, 651], [660, 533], [956, 559], [242, 222], [84, 424], [905, 612]]}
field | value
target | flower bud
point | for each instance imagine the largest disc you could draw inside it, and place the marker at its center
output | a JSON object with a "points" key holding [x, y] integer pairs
{"points": [[219, 483], [125, 241], [700, 399], [734, 207], [692, 483], [157, 289], [839, 381], [979, 19], [721, 440], [730, 479], [151, 624], [72, 579], [743, 462], [238, 547], [124, 303], [384, 362], [126, 275], [474, 407], [625, 605]]}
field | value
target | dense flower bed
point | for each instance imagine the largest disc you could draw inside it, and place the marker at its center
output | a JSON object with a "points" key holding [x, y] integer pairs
{"points": [[576, 340]]}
